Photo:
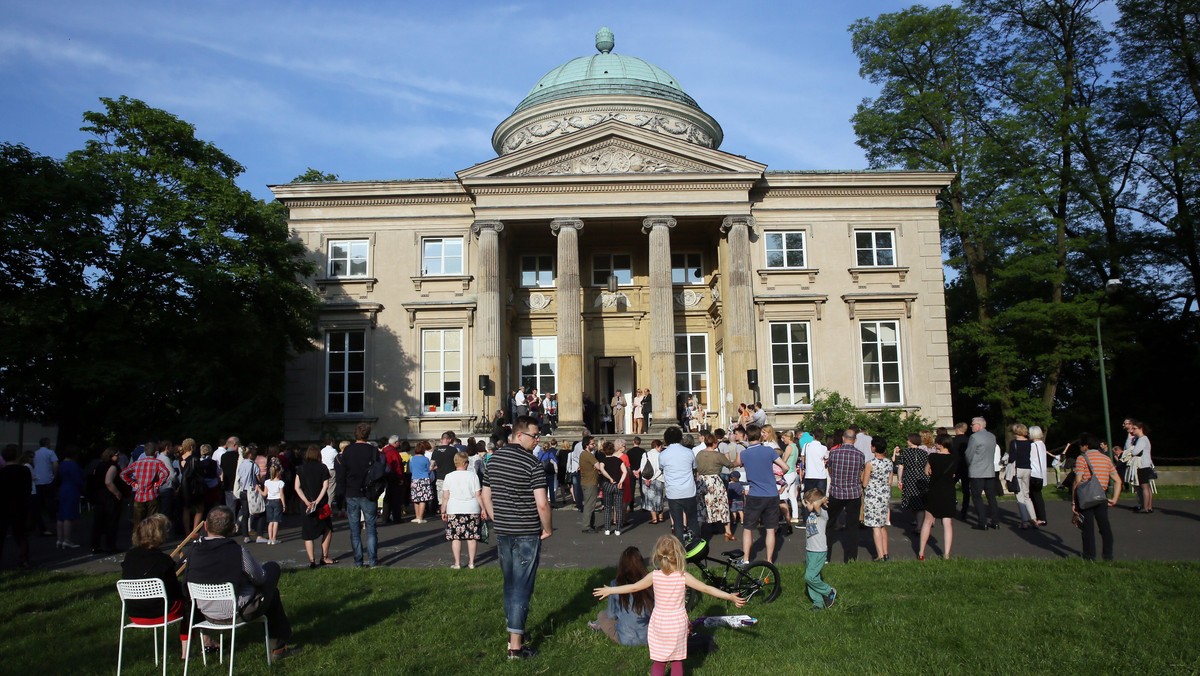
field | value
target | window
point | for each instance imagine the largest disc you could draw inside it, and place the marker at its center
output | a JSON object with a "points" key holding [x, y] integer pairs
{"points": [[442, 256], [691, 367], [881, 362], [348, 257], [875, 248], [785, 250], [791, 364], [539, 364], [604, 265], [441, 370], [685, 269], [345, 371], [537, 271]]}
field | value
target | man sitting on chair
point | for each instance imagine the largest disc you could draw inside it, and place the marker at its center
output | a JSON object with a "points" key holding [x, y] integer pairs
{"points": [[219, 558]]}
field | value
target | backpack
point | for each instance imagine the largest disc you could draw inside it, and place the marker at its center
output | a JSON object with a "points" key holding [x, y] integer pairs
{"points": [[375, 481], [647, 469], [548, 462]]}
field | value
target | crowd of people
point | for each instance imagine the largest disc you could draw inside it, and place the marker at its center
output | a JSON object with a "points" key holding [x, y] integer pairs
{"points": [[705, 484]]}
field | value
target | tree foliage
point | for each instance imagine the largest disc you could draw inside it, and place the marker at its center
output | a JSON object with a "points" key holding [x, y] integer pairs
{"points": [[831, 411], [153, 295], [1074, 164]]}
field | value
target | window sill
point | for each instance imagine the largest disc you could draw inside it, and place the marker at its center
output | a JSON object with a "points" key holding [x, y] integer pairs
{"points": [[765, 275], [900, 273], [465, 280], [325, 282]]}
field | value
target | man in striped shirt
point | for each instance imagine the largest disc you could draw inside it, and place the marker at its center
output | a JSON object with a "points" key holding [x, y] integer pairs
{"points": [[514, 493], [1090, 461]]}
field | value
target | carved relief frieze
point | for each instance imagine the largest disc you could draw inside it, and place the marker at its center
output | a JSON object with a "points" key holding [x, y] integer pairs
{"points": [[559, 125], [537, 301], [688, 298], [613, 158]]}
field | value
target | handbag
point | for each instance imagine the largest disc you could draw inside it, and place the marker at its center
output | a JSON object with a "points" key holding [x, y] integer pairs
{"points": [[256, 502], [1090, 493], [324, 512], [484, 532]]}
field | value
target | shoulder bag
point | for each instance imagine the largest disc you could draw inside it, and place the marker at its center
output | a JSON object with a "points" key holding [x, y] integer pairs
{"points": [[1090, 493]]}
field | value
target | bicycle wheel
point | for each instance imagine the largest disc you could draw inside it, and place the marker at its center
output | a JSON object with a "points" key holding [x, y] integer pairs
{"points": [[758, 582]]}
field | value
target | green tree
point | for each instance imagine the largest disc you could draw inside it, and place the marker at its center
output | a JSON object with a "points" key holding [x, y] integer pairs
{"points": [[177, 314]]}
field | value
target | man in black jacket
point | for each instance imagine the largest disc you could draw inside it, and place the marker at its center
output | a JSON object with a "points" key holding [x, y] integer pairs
{"points": [[218, 559], [351, 480]]}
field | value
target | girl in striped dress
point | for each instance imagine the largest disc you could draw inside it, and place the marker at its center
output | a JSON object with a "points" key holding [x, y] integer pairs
{"points": [[668, 630]]}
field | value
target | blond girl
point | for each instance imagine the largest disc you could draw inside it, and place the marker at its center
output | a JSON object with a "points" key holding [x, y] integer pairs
{"points": [[668, 630]]}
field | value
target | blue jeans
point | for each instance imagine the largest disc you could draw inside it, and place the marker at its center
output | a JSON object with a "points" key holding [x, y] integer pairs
{"points": [[519, 562], [577, 482], [356, 510]]}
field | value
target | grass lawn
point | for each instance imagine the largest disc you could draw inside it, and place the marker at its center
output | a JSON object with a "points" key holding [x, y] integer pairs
{"points": [[963, 616]]}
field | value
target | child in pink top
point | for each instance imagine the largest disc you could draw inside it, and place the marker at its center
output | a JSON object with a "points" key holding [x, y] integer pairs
{"points": [[668, 630]]}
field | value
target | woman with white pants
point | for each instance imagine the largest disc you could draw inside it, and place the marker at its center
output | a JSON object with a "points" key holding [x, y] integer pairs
{"points": [[1020, 452]]}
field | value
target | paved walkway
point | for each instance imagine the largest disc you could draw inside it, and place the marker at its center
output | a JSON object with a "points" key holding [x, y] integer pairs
{"points": [[1171, 533]]}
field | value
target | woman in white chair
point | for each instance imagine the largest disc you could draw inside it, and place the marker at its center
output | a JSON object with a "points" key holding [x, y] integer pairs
{"points": [[146, 561]]}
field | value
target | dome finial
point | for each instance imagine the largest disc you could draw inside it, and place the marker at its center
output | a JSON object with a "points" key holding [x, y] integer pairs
{"points": [[604, 40]]}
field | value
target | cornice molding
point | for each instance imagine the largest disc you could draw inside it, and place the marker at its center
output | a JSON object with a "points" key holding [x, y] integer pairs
{"points": [[378, 201], [851, 192], [607, 187]]}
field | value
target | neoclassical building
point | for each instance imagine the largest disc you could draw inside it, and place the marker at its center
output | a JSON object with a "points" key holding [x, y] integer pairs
{"points": [[610, 244]]}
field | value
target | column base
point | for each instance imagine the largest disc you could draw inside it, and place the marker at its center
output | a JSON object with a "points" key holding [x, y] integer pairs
{"points": [[569, 430]]}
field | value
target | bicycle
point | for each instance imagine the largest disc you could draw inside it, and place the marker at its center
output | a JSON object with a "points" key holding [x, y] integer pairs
{"points": [[757, 581]]}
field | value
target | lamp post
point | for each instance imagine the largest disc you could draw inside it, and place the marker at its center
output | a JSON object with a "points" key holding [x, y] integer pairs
{"points": [[1110, 287]]}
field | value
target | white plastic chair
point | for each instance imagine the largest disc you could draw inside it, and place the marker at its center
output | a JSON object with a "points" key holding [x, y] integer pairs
{"points": [[138, 590], [223, 593]]}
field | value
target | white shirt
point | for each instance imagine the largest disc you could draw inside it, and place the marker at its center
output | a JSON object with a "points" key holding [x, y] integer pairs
{"points": [[328, 455], [274, 488], [862, 441], [573, 458], [519, 399], [216, 456], [1037, 459], [462, 485], [815, 456], [699, 448]]}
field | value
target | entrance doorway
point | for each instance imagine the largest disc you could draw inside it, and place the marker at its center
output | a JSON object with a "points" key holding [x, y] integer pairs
{"points": [[612, 374]]}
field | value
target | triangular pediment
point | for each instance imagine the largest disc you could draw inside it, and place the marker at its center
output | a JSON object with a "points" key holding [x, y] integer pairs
{"points": [[612, 148]]}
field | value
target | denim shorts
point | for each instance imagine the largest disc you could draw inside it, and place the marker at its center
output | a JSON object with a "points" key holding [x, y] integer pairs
{"points": [[274, 511]]}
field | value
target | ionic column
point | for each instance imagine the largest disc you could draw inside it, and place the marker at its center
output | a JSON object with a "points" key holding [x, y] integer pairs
{"points": [[740, 352], [662, 323], [570, 327], [488, 341]]}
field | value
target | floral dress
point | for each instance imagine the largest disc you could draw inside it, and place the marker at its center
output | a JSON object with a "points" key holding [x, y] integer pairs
{"points": [[878, 493]]}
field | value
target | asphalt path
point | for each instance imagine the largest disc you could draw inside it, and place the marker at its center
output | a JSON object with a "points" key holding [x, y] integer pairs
{"points": [[1171, 533]]}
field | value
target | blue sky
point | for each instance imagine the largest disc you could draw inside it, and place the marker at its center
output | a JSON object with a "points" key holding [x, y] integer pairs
{"points": [[387, 90]]}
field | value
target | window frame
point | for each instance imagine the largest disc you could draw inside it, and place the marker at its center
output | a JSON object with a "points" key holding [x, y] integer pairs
{"points": [[875, 248], [351, 243], [783, 234], [346, 392], [538, 271], [882, 382], [699, 257], [792, 385], [611, 268], [443, 393], [462, 256], [703, 392], [538, 358]]}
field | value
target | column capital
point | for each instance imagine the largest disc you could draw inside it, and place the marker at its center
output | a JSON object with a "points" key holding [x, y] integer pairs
{"points": [[731, 222], [651, 222], [479, 226], [560, 223]]}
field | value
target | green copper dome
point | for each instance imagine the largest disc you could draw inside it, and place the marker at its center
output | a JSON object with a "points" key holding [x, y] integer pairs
{"points": [[606, 73]]}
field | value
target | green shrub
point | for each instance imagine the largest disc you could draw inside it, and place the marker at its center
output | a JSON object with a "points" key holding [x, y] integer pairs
{"points": [[832, 411]]}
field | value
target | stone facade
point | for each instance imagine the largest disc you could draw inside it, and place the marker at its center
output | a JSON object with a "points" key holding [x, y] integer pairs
{"points": [[817, 280]]}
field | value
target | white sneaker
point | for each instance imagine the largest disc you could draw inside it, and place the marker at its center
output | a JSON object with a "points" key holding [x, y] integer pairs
{"points": [[617, 533], [69, 545], [607, 532]]}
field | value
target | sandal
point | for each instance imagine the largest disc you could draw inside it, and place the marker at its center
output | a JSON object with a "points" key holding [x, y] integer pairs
{"points": [[328, 562]]}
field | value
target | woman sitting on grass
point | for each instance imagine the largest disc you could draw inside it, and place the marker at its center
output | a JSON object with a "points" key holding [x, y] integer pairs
{"points": [[627, 616], [668, 628]]}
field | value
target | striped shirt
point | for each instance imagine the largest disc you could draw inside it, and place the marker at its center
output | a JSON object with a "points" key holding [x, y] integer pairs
{"points": [[1100, 462], [514, 474]]}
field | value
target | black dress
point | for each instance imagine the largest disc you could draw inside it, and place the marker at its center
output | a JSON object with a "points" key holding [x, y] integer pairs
{"points": [[915, 484], [312, 475], [939, 501]]}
